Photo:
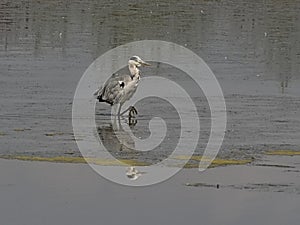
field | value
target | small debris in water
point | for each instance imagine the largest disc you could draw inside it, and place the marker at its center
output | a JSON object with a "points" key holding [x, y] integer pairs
{"points": [[202, 185], [274, 165], [21, 129], [54, 134], [265, 187]]}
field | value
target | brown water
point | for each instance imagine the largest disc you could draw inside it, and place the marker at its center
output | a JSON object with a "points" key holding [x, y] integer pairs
{"points": [[253, 47]]}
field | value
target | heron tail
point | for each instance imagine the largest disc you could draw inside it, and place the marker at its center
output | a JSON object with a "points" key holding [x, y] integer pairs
{"points": [[97, 92], [99, 95]]}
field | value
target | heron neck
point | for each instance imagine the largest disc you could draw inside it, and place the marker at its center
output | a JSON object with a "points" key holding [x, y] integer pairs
{"points": [[134, 71]]}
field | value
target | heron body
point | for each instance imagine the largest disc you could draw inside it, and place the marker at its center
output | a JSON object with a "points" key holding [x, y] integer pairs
{"points": [[120, 88]]}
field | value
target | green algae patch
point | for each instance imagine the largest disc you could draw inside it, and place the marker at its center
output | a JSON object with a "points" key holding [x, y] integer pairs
{"points": [[62, 159], [193, 162], [283, 152], [215, 162]]}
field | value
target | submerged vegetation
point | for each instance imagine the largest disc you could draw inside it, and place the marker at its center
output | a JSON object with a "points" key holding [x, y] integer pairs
{"points": [[283, 152], [63, 159], [193, 163]]}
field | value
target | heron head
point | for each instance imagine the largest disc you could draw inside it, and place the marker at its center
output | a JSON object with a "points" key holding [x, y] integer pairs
{"points": [[137, 61]]}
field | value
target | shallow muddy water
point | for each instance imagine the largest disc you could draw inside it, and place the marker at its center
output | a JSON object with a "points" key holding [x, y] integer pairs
{"points": [[253, 48]]}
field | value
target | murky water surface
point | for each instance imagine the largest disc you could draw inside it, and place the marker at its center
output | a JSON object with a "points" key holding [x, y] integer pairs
{"points": [[253, 48]]}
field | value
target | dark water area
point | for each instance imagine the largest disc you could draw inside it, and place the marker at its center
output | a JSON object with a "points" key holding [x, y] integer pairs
{"points": [[253, 48]]}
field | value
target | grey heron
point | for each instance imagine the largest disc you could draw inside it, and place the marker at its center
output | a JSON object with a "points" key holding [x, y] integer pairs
{"points": [[120, 88]]}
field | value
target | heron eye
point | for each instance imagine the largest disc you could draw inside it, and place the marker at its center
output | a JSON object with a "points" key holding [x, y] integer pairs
{"points": [[122, 84], [134, 58]]}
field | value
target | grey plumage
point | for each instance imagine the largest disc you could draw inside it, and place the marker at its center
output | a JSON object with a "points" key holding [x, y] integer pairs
{"points": [[118, 89]]}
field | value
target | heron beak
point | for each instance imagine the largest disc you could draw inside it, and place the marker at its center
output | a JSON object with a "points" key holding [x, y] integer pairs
{"points": [[143, 63]]}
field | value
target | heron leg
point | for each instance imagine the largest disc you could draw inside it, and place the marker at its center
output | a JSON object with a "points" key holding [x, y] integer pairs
{"points": [[114, 114], [132, 121], [119, 112]]}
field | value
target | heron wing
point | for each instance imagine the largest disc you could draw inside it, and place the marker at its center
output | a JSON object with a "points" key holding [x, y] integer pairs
{"points": [[100, 90], [113, 89]]}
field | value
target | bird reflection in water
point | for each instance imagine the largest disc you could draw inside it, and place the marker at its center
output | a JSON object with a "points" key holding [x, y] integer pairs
{"points": [[115, 138], [133, 174], [119, 141]]}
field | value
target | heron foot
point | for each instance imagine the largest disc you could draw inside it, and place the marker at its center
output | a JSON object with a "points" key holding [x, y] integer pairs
{"points": [[131, 116], [132, 122], [132, 112]]}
